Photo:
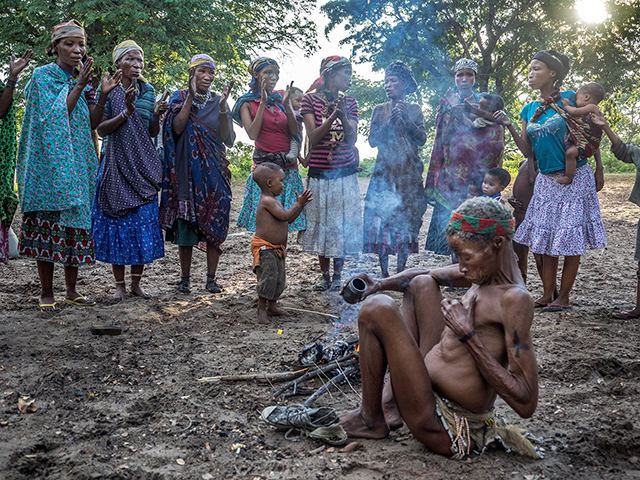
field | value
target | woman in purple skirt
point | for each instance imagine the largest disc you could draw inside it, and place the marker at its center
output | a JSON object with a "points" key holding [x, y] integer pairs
{"points": [[561, 219]]}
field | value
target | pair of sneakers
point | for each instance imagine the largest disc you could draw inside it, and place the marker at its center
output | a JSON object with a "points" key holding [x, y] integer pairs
{"points": [[320, 423]]}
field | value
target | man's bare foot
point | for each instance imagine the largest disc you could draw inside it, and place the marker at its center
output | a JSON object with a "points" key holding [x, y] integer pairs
{"points": [[275, 310], [121, 292], [262, 316], [356, 426], [137, 291], [564, 180]]}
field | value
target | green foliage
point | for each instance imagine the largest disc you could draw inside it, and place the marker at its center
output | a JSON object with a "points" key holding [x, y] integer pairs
{"points": [[367, 166], [169, 31], [240, 158]]}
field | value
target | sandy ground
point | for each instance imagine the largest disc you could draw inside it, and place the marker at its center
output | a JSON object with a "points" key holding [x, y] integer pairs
{"points": [[130, 406]]}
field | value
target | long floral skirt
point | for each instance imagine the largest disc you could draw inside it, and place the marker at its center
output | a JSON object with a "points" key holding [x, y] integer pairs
{"points": [[334, 218], [292, 185], [563, 219], [42, 237]]}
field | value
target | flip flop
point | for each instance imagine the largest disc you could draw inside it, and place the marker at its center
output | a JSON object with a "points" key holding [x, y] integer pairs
{"points": [[80, 302], [53, 306], [539, 305], [557, 308], [624, 316]]}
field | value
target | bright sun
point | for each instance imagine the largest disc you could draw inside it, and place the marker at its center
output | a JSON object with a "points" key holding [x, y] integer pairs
{"points": [[591, 11]]}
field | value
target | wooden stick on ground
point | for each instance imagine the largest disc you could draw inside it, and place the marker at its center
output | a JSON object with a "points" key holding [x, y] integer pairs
{"points": [[322, 390], [310, 311], [261, 377], [315, 373]]}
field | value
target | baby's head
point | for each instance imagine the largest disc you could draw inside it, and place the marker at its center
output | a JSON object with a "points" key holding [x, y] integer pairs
{"points": [[270, 178], [491, 103], [495, 181], [296, 98], [589, 94]]}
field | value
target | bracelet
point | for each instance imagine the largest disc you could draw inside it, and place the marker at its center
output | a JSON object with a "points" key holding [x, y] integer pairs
{"points": [[124, 115], [101, 106], [223, 113], [12, 84], [468, 336], [154, 119]]}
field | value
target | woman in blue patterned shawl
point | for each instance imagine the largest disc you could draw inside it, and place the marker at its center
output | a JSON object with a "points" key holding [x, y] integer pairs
{"points": [[125, 219], [196, 187], [57, 163]]}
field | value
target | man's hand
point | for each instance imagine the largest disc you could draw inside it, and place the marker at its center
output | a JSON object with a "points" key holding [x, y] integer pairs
{"points": [[457, 317], [370, 288]]}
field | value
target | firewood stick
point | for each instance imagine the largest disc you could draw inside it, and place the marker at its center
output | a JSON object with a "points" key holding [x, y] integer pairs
{"points": [[310, 311], [315, 373], [322, 390], [261, 377]]}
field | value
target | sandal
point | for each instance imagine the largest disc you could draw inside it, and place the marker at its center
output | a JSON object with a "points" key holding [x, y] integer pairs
{"points": [[212, 286], [322, 286], [623, 315], [319, 423], [336, 283], [183, 285]]}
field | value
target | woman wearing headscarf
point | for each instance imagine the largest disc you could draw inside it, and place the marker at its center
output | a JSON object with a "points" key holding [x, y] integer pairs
{"points": [[8, 199], [269, 120], [561, 219], [334, 218], [395, 201], [461, 154], [57, 163], [196, 185], [126, 227]]}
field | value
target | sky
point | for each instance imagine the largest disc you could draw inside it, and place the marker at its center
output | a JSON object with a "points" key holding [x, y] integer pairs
{"points": [[304, 70]]}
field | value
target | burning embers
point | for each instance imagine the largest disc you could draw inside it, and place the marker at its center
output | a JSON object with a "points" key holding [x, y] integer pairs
{"points": [[317, 354]]}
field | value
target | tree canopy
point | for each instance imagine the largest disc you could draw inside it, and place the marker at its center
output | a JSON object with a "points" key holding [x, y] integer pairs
{"points": [[169, 31]]}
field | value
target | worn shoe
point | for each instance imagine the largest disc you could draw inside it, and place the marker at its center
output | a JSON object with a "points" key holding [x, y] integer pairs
{"points": [[322, 286], [319, 423], [183, 285], [212, 286]]}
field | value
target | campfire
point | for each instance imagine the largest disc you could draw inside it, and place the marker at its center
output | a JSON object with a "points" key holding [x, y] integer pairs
{"points": [[333, 363]]}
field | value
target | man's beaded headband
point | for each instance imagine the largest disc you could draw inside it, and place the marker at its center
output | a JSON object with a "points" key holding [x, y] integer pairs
{"points": [[482, 226]]}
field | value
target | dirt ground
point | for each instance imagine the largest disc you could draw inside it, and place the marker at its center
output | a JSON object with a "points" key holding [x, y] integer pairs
{"points": [[130, 406]]}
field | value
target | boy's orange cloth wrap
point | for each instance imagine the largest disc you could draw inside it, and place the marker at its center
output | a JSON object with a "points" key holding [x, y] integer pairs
{"points": [[258, 244]]}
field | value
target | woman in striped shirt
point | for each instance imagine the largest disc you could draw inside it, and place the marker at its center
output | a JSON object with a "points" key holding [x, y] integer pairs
{"points": [[334, 218]]}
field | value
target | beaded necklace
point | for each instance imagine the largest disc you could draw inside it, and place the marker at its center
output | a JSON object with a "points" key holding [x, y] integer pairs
{"points": [[202, 99], [136, 91]]}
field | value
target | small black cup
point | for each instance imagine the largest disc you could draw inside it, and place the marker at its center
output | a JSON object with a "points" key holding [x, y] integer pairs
{"points": [[352, 293]]}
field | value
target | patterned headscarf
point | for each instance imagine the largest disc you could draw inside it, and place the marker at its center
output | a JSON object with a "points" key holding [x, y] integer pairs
{"points": [[482, 226], [125, 47], [465, 63], [274, 98], [202, 60], [120, 50], [404, 73], [72, 28], [328, 64], [257, 65]]}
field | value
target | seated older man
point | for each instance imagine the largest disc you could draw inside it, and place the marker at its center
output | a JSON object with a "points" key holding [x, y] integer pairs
{"points": [[448, 359]]}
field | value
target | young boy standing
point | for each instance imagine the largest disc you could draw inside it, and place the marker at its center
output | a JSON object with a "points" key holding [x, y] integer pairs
{"points": [[269, 245]]}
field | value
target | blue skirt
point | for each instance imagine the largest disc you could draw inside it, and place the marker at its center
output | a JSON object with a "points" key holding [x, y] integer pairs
{"points": [[135, 239]]}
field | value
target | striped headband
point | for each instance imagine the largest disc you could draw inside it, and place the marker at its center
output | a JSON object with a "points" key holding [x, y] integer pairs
{"points": [[202, 60], [482, 226]]}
